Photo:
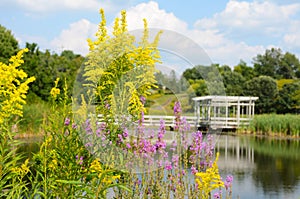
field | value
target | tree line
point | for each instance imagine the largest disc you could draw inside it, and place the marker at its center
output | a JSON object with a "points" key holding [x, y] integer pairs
{"points": [[45, 66], [274, 76]]}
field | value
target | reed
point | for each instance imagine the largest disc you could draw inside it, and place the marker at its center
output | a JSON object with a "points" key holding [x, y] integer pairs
{"points": [[275, 124]]}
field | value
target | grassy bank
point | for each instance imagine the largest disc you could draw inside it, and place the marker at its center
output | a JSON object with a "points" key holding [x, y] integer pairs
{"points": [[32, 120], [276, 125]]}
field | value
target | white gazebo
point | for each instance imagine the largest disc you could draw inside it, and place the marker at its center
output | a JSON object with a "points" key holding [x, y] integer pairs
{"points": [[224, 112]]}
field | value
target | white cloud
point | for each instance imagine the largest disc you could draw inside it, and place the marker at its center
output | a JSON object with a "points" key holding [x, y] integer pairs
{"points": [[53, 5], [156, 18], [210, 34], [292, 37], [75, 37], [231, 53], [219, 48], [261, 17]]}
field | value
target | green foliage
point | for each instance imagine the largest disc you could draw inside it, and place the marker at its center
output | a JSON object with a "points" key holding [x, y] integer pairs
{"points": [[47, 67], [234, 83], [8, 45], [265, 88], [288, 100], [246, 71], [276, 64]]}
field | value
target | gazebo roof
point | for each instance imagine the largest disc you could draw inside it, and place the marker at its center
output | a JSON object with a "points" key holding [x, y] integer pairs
{"points": [[225, 98]]}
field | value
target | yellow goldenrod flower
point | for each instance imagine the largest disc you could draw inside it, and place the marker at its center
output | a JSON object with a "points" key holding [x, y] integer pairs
{"points": [[96, 166], [55, 91], [210, 179], [23, 170], [13, 87]]}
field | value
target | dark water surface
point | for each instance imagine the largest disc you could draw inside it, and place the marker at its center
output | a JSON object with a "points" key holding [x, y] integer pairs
{"points": [[263, 168]]}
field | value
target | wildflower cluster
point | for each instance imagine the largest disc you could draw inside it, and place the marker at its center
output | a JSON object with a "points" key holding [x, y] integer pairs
{"points": [[22, 170], [209, 180], [119, 75], [156, 166], [13, 87]]}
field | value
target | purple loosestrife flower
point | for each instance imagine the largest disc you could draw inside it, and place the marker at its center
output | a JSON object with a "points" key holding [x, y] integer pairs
{"points": [[177, 108], [228, 182], [175, 160], [143, 100], [125, 133], [67, 121], [168, 165], [217, 195], [177, 111], [74, 126], [88, 128], [81, 160], [186, 125], [89, 144], [159, 163], [160, 144], [194, 170]]}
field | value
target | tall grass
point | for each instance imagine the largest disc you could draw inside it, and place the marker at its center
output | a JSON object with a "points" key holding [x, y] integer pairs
{"points": [[33, 116], [274, 124]]}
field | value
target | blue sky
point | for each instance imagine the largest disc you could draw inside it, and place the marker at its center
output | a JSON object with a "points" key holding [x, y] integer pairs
{"points": [[227, 30]]}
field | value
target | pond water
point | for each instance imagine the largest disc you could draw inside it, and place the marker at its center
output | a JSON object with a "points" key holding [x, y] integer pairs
{"points": [[262, 168]]}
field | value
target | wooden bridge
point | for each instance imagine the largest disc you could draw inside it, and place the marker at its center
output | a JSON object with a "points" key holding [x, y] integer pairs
{"points": [[224, 112], [213, 112]]}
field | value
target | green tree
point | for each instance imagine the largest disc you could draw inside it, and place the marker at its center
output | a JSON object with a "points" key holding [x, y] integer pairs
{"points": [[192, 73], [246, 71], [288, 100], [268, 63], [42, 66], [290, 66], [8, 45], [223, 69], [199, 87], [265, 88], [234, 83], [277, 65], [47, 67]]}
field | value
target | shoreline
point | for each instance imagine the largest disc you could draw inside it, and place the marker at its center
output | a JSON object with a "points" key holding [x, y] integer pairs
{"points": [[267, 135], [237, 133]]}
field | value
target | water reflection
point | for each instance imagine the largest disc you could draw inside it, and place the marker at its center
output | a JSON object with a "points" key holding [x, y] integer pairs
{"points": [[263, 168]]}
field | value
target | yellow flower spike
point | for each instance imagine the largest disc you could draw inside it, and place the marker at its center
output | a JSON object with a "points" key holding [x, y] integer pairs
{"points": [[13, 88], [55, 91], [210, 179], [116, 31], [123, 21], [135, 61]]}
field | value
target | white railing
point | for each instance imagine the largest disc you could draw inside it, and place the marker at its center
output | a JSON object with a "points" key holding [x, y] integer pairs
{"points": [[214, 122], [154, 120]]}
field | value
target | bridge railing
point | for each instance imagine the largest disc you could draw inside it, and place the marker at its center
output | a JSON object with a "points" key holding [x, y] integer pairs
{"points": [[154, 120]]}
